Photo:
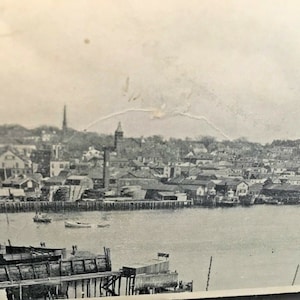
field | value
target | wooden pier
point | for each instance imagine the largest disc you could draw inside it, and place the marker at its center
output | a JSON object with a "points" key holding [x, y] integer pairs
{"points": [[107, 205], [267, 293], [49, 276], [150, 277]]}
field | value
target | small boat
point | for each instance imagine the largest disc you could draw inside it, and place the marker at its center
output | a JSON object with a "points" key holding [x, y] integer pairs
{"points": [[102, 225], [39, 218], [74, 224]]}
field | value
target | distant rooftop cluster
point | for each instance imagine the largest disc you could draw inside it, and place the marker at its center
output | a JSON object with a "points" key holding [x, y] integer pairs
{"points": [[66, 165]]}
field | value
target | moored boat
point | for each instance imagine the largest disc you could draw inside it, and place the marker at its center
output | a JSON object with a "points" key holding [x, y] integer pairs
{"points": [[75, 224], [102, 225], [39, 218]]}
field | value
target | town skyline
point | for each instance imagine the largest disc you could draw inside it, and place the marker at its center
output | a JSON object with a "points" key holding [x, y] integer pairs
{"points": [[173, 67]]}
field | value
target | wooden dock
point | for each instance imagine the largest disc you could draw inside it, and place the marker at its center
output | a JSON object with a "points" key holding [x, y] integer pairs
{"points": [[51, 275], [268, 293], [107, 205]]}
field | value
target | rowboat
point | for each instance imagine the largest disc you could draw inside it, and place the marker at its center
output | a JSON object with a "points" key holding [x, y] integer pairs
{"points": [[38, 218], [102, 225], [74, 224]]}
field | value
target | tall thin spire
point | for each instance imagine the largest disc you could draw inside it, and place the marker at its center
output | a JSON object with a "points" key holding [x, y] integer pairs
{"points": [[64, 124]]}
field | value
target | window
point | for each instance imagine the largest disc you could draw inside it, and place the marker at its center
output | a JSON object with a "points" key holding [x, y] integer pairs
{"points": [[61, 166], [17, 165], [9, 157]]}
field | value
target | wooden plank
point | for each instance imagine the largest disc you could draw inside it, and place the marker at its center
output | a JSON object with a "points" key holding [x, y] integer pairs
{"points": [[21, 276], [84, 267], [96, 266], [72, 267], [7, 273], [34, 274]]}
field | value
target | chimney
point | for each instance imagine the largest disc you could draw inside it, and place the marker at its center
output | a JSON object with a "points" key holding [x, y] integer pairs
{"points": [[106, 168]]}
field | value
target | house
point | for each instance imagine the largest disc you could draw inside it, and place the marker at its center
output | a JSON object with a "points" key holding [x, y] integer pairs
{"points": [[153, 189], [199, 159], [92, 153], [198, 188], [171, 171], [294, 180], [140, 177], [12, 163], [167, 196], [12, 194], [73, 189], [76, 180], [42, 158], [240, 188], [56, 166], [255, 189], [21, 149], [137, 165], [285, 192], [24, 182], [28, 186]]}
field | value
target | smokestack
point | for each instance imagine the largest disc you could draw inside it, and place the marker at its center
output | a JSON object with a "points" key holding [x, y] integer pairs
{"points": [[106, 168]]}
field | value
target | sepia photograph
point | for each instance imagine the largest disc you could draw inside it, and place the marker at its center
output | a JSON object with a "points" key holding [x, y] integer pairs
{"points": [[149, 149]]}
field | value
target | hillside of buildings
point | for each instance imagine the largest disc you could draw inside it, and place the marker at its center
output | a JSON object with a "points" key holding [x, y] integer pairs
{"points": [[51, 164]]}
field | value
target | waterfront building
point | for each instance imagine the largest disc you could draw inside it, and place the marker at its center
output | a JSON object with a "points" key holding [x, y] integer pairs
{"points": [[12, 163]]}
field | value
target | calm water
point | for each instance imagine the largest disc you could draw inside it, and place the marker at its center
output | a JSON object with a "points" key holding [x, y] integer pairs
{"points": [[251, 247]]}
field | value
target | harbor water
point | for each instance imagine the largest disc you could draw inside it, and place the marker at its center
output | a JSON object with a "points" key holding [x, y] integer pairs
{"points": [[255, 246]]}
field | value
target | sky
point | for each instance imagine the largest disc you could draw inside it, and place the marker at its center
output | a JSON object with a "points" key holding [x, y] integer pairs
{"points": [[177, 68]]}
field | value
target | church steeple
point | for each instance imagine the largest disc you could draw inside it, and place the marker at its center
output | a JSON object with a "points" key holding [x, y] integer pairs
{"points": [[119, 128], [64, 124]]}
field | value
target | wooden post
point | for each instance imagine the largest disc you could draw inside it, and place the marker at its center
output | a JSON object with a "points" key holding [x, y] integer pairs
{"points": [[126, 285], [208, 275], [84, 268], [72, 267], [114, 284], [133, 285], [75, 289], [60, 268], [88, 287], [20, 292], [96, 266], [129, 286], [119, 287], [295, 276], [100, 287], [48, 269], [34, 274], [82, 288], [95, 288]]}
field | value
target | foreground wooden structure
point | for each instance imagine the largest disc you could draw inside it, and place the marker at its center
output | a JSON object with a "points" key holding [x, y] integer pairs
{"points": [[270, 293], [45, 273], [49, 273]]}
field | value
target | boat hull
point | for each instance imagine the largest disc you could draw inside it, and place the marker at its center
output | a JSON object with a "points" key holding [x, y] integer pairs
{"points": [[77, 225]]}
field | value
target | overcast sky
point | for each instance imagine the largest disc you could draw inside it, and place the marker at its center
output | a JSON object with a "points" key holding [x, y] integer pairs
{"points": [[176, 68]]}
